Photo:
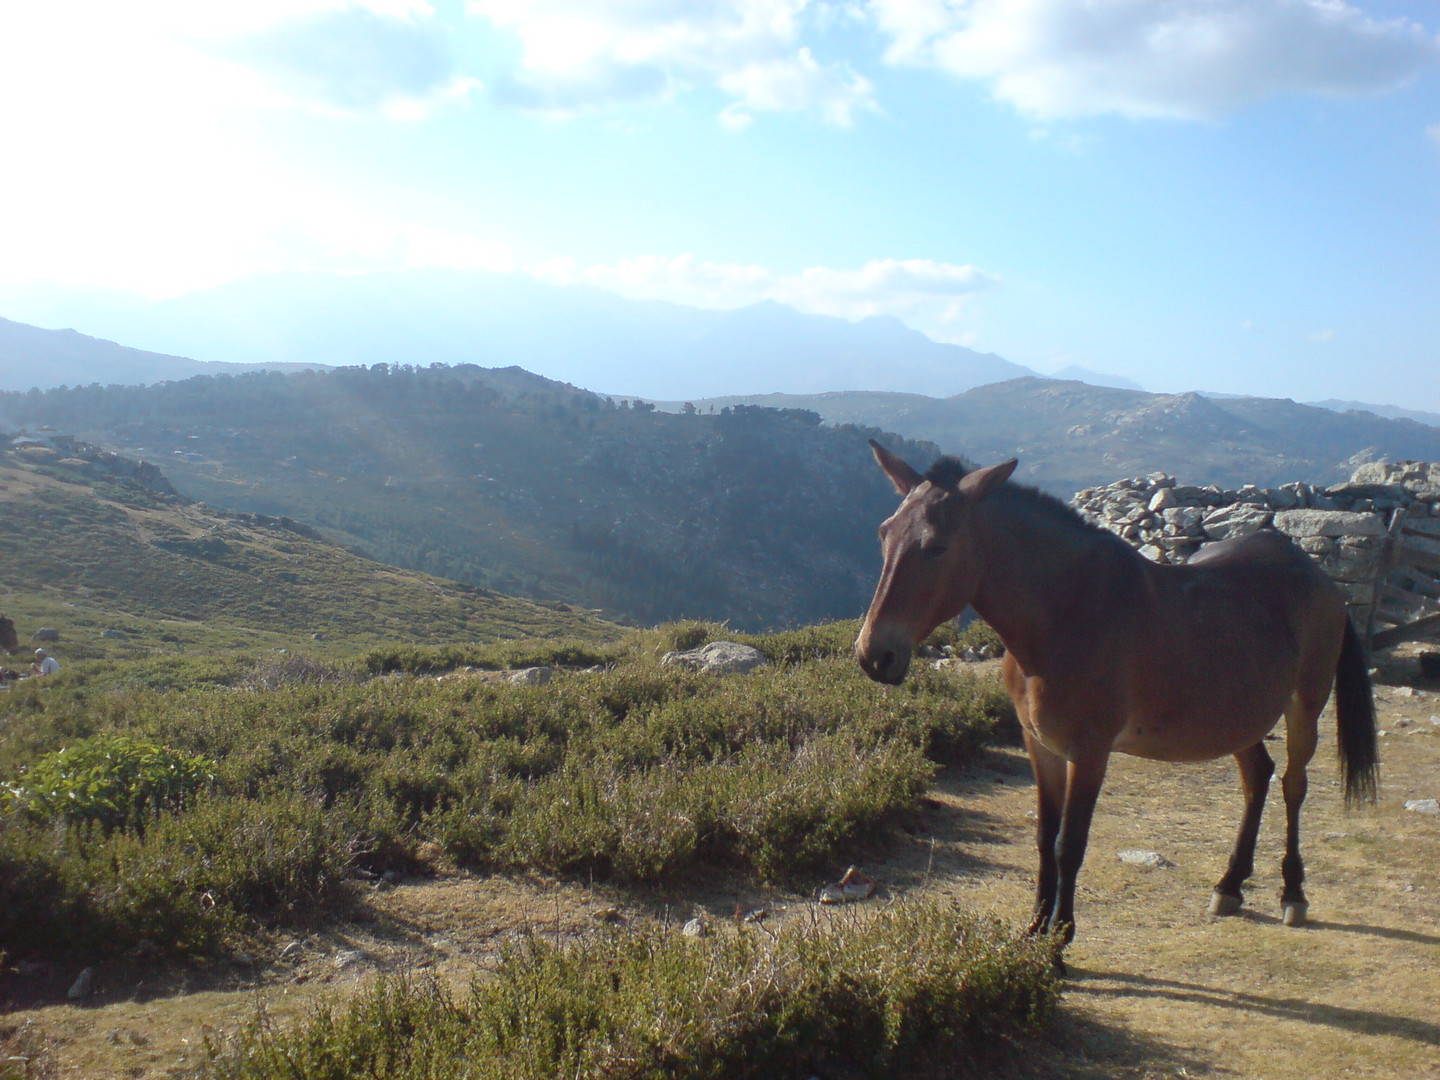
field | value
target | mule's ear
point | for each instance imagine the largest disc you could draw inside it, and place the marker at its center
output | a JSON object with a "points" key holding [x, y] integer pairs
{"points": [[901, 475], [981, 482]]}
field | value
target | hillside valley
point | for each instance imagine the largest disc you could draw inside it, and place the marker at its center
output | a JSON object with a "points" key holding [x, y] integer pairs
{"points": [[502, 480], [108, 553]]}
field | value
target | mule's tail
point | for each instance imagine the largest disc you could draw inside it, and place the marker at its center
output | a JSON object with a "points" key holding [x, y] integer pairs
{"points": [[1355, 720]]}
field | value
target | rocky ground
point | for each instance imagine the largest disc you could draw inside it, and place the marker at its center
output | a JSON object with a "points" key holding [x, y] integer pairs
{"points": [[1157, 987]]}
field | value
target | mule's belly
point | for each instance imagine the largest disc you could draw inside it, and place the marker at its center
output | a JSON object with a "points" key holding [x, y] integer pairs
{"points": [[1195, 738]]}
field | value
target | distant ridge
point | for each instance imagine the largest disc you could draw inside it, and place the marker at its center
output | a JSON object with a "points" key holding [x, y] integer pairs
{"points": [[1390, 412], [33, 357], [1070, 435]]}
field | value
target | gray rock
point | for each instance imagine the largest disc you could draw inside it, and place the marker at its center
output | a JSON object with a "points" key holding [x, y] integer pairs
{"points": [[46, 633], [531, 676], [114, 635], [82, 985], [1419, 806], [718, 657], [1232, 522], [1329, 523], [1163, 499]]}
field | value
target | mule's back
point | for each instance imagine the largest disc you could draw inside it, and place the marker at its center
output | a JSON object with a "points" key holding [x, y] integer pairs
{"points": [[1230, 639]]}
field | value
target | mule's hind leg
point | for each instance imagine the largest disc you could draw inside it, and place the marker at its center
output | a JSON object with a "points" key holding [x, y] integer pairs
{"points": [[1256, 768], [1050, 806], [1302, 734]]}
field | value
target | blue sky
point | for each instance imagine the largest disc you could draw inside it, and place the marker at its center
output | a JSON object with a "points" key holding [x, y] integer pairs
{"points": [[1231, 195]]}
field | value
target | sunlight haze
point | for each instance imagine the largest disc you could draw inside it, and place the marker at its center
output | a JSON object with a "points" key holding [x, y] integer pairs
{"points": [[1239, 196]]}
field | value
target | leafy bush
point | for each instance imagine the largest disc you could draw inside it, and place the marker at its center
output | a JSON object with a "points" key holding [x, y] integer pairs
{"points": [[110, 780], [909, 988]]}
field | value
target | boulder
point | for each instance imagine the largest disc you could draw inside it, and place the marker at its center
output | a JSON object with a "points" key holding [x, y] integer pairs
{"points": [[114, 635], [718, 657], [1329, 523], [1232, 522], [46, 633], [531, 676]]}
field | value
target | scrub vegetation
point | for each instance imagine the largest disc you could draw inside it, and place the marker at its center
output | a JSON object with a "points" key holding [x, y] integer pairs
{"points": [[194, 803]]}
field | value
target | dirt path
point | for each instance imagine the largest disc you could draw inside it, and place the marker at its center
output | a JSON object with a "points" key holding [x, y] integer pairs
{"points": [[1157, 989]]}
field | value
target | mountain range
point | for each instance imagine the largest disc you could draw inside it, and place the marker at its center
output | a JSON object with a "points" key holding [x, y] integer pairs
{"points": [[570, 333]]}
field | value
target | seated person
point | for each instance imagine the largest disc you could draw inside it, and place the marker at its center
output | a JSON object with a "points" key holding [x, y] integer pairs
{"points": [[44, 664]]}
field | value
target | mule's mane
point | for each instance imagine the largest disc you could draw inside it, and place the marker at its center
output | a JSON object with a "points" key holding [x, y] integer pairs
{"points": [[948, 471]]}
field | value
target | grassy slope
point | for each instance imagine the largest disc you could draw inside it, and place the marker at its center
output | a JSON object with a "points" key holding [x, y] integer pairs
{"points": [[83, 554]]}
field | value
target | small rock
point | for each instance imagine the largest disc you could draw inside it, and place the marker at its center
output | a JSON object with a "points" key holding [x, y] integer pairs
{"points": [[1151, 860], [1423, 806], [1407, 691], [80, 988], [391, 877], [114, 635], [608, 915], [244, 959], [293, 948], [317, 636], [696, 927], [46, 633], [345, 957], [531, 676], [760, 914]]}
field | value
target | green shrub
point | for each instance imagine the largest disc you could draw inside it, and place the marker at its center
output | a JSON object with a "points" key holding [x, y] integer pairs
{"points": [[225, 866], [110, 780], [908, 988]]}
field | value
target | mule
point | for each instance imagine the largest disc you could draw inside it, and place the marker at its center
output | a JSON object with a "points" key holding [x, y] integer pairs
{"points": [[9, 639], [1107, 651]]}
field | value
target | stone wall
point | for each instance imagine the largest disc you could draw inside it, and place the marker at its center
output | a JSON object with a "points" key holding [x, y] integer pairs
{"points": [[1352, 529]]}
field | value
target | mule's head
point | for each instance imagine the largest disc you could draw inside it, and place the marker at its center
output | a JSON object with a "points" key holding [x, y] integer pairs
{"points": [[932, 564], [9, 640]]}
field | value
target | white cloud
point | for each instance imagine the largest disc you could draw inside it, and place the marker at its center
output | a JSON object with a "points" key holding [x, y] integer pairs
{"points": [[579, 54], [1187, 59], [354, 60], [931, 296]]}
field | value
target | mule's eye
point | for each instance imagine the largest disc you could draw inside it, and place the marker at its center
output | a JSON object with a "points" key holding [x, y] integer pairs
{"points": [[934, 551]]}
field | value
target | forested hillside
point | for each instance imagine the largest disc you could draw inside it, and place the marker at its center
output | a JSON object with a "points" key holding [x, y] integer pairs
{"points": [[504, 480]]}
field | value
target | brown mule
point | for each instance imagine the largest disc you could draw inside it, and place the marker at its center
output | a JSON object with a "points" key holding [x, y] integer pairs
{"points": [[1108, 651]]}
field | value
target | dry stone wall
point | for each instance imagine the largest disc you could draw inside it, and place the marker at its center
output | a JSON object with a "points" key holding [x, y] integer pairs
{"points": [[1352, 529]]}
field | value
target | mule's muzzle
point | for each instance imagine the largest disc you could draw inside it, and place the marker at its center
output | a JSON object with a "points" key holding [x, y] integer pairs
{"points": [[885, 665]]}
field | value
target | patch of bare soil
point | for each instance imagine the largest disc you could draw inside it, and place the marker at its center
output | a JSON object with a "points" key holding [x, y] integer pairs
{"points": [[1157, 987]]}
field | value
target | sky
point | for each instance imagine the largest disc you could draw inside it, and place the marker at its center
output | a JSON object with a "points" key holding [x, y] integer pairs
{"points": [[1239, 196]]}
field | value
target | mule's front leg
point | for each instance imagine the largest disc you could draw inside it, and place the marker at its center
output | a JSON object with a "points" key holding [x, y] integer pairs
{"points": [[1083, 780]]}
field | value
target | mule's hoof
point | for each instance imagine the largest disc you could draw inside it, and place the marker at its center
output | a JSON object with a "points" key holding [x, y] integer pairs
{"points": [[1224, 904], [1295, 913]]}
